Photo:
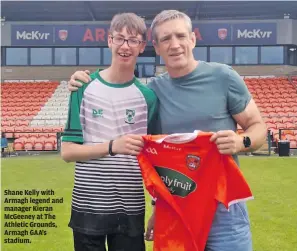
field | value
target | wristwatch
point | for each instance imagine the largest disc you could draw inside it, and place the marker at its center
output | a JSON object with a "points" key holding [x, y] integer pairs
{"points": [[247, 141]]}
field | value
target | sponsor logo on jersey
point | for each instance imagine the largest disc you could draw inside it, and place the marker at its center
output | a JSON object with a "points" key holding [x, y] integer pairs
{"points": [[97, 113], [177, 183], [174, 148], [151, 150]]}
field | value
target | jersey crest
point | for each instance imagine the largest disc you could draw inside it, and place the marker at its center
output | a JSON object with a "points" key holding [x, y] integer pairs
{"points": [[193, 162], [130, 115]]}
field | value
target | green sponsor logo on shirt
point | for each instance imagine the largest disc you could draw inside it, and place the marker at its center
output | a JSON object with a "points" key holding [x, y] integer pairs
{"points": [[130, 114], [177, 183], [97, 113]]}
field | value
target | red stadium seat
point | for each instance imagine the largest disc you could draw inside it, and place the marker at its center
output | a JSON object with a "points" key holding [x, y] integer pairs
{"points": [[290, 125], [22, 139], [52, 139], [287, 119], [276, 120], [270, 109], [44, 138], [19, 134], [37, 129], [28, 146], [38, 146], [5, 123], [28, 129], [9, 132], [278, 109], [48, 146], [18, 146], [271, 126], [32, 138]]}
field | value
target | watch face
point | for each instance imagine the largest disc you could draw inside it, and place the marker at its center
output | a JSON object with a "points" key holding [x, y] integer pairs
{"points": [[247, 142]]}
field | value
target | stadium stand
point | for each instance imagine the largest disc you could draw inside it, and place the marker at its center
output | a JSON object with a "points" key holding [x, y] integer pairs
{"points": [[23, 107], [276, 98], [33, 112], [54, 112]]}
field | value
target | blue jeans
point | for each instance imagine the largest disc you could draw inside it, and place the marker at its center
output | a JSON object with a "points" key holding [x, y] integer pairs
{"points": [[230, 230]]}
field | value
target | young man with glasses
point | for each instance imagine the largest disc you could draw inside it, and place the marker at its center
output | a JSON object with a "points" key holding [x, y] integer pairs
{"points": [[103, 136]]}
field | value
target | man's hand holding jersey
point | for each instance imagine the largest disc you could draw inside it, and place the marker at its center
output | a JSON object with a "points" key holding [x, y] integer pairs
{"points": [[227, 141]]}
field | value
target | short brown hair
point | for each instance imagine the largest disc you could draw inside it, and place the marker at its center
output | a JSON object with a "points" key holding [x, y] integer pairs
{"points": [[135, 25]]}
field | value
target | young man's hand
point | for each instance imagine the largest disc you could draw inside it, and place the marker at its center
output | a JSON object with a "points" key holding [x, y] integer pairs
{"points": [[83, 76], [130, 144], [149, 235]]}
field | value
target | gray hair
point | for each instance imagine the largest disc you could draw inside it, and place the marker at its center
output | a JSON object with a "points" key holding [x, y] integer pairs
{"points": [[167, 15]]}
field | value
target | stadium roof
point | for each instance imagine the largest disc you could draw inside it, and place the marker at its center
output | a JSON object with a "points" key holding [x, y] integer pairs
{"points": [[104, 10]]}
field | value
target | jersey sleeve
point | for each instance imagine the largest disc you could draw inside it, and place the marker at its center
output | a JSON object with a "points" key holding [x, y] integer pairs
{"points": [[238, 95], [231, 186], [73, 128]]}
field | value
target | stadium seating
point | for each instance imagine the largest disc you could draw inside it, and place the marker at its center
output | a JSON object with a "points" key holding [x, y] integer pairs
{"points": [[54, 112], [22, 103], [276, 98], [32, 113]]}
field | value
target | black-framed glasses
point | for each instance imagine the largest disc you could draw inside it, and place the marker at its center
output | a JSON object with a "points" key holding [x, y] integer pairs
{"points": [[132, 42]]}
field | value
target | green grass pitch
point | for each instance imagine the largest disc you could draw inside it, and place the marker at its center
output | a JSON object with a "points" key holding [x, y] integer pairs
{"points": [[273, 212]]}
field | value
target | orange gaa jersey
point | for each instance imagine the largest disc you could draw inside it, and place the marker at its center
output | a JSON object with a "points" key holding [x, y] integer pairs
{"points": [[188, 176]]}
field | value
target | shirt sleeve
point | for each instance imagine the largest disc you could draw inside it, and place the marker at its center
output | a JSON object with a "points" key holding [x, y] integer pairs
{"points": [[238, 95], [154, 124], [231, 186], [73, 128], [153, 121]]}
